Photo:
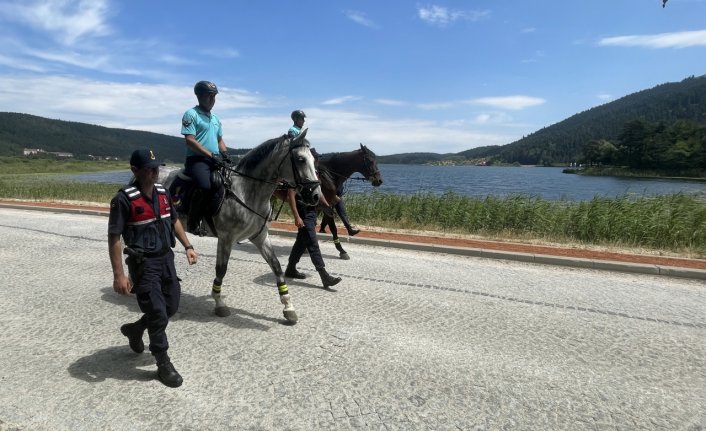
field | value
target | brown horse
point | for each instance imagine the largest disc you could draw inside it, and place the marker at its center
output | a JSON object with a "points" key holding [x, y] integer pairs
{"points": [[334, 170]]}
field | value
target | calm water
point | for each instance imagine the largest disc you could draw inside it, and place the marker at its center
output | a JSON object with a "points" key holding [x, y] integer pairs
{"points": [[481, 181]]}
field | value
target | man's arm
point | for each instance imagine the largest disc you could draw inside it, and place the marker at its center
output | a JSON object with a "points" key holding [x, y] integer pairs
{"points": [[292, 201], [121, 282], [180, 234], [195, 145], [222, 145]]}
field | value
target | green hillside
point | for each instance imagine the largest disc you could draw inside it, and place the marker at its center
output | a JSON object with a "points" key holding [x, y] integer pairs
{"points": [[563, 142], [19, 131]]}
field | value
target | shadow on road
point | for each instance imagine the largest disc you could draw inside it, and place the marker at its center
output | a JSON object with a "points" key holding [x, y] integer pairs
{"points": [[117, 362]]}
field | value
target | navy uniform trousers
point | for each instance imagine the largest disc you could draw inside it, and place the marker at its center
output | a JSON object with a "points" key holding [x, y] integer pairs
{"points": [[158, 292], [306, 238]]}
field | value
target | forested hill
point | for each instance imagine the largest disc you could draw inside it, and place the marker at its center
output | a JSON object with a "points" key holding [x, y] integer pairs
{"points": [[563, 142], [19, 131]]}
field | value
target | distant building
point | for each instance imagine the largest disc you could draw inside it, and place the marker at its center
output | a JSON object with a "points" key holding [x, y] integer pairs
{"points": [[36, 151]]}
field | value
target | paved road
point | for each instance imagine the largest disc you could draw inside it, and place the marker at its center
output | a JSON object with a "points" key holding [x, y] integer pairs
{"points": [[410, 340]]}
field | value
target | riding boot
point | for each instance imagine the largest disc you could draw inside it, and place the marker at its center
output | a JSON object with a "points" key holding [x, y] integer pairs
{"points": [[196, 210], [166, 372], [326, 279], [291, 272]]}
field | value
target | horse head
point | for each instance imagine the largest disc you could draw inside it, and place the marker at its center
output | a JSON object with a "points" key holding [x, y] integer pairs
{"points": [[370, 166], [303, 171]]}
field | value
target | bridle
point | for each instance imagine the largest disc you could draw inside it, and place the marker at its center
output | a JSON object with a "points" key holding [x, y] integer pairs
{"points": [[299, 184]]}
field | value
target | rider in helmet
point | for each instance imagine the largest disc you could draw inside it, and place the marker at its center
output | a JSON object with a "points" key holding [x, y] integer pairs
{"points": [[298, 117], [204, 146]]}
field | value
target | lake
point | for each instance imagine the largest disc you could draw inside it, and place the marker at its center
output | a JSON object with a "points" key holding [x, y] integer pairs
{"points": [[482, 181]]}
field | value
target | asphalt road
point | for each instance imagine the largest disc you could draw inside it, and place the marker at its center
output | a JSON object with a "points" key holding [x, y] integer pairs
{"points": [[409, 340]]}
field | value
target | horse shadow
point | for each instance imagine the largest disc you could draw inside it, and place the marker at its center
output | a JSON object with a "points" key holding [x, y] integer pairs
{"points": [[198, 309], [116, 362]]}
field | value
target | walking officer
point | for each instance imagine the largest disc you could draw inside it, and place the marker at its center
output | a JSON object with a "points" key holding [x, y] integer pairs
{"points": [[143, 215]]}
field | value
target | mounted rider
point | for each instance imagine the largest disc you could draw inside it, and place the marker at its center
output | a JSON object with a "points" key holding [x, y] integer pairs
{"points": [[205, 149], [298, 117]]}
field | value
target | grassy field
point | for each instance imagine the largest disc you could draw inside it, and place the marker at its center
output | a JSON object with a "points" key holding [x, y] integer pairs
{"points": [[674, 224]]}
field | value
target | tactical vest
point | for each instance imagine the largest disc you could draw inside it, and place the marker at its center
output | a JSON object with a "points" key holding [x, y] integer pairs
{"points": [[147, 232]]}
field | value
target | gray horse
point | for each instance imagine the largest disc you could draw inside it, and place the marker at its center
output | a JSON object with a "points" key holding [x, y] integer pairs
{"points": [[246, 210]]}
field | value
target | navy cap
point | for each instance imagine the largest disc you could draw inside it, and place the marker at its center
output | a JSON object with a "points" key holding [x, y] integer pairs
{"points": [[144, 158]]}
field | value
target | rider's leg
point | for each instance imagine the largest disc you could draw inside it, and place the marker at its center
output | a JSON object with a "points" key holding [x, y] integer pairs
{"points": [[199, 169], [340, 208]]}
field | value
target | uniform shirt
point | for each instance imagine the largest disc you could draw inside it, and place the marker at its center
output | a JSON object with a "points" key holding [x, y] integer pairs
{"points": [[294, 131], [120, 209], [205, 126]]}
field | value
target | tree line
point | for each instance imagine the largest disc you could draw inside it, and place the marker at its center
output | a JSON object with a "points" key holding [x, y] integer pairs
{"points": [[676, 148]]}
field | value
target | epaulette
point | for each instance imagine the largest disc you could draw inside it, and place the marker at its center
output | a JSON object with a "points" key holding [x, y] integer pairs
{"points": [[132, 192]]}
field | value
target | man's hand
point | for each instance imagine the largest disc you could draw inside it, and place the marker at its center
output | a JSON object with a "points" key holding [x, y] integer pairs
{"points": [[122, 284], [191, 256]]}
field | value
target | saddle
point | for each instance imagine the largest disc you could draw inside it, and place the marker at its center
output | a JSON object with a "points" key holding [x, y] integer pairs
{"points": [[194, 204]]}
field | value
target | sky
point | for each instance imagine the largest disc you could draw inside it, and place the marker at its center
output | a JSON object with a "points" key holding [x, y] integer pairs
{"points": [[398, 76]]}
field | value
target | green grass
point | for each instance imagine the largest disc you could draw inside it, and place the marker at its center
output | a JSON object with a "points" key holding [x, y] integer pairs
{"points": [[675, 223], [672, 223], [23, 165]]}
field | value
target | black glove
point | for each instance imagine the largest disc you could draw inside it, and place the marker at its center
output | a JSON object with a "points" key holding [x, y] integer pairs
{"points": [[226, 158]]}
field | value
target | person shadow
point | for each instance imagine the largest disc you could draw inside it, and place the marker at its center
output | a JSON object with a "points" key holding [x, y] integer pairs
{"points": [[116, 362]]}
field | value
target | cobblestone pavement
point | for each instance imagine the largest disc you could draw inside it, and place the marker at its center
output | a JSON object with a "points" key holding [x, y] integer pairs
{"points": [[409, 340]]}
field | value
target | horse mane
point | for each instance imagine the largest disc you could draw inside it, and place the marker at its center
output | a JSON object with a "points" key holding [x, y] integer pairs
{"points": [[327, 180], [253, 157]]}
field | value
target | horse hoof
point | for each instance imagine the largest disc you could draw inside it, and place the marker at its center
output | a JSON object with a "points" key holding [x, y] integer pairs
{"points": [[222, 311], [345, 256], [291, 316]]}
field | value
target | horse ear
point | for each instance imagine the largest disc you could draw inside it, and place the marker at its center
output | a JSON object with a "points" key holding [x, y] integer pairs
{"points": [[362, 147], [302, 135]]}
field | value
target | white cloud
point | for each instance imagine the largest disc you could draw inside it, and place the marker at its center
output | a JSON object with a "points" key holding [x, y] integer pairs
{"points": [[508, 102], [390, 102], [340, 100], [68, 21], [248, 118], [442, 16], [682, 39], [360, 18], [605, 97], [433, 106]]}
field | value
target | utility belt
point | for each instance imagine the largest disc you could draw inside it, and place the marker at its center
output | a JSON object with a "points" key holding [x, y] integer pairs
{"points": [[135, 261]]}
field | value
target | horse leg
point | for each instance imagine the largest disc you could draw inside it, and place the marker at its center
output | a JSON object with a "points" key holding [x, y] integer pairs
{"points": [[222, 256], [263, 243], [337, 242]]}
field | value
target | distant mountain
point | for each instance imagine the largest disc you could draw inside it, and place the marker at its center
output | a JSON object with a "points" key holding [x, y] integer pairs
{"points": [[563, 142], [20, 131]]}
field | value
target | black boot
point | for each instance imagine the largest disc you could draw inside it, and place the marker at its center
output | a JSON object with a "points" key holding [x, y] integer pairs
{"points": [[292, 272], [166, 372], [327, 280], [133, 332], [352, 231], [196, 211]]}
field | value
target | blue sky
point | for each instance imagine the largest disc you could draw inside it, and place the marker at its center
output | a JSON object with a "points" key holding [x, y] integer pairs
{"points": [[398, 76]]}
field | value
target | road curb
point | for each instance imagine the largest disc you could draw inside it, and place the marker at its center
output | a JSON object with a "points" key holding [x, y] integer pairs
{"points": [[545, 259]]}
